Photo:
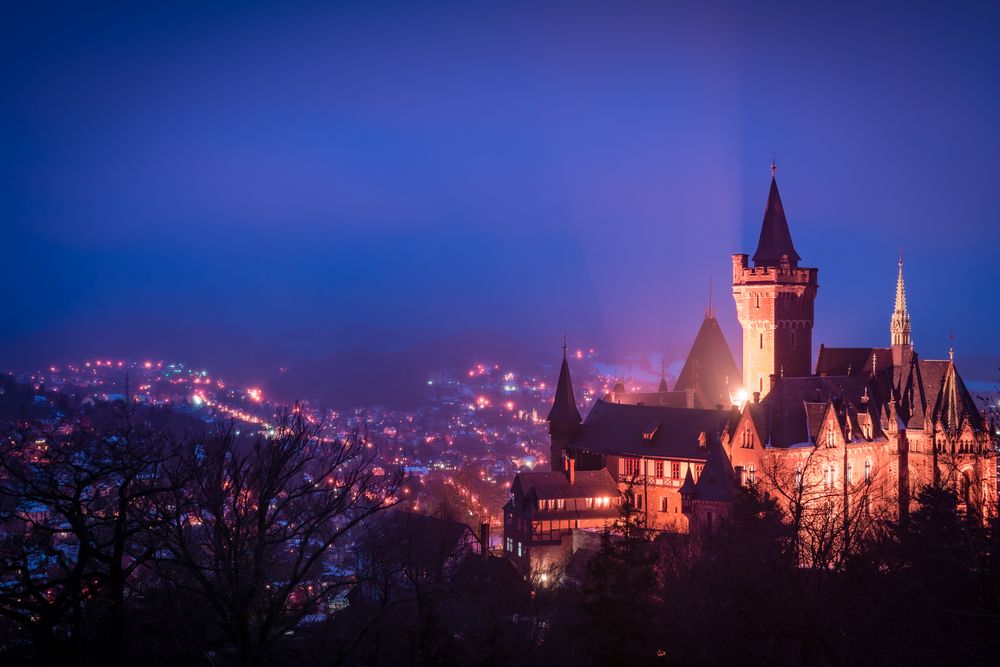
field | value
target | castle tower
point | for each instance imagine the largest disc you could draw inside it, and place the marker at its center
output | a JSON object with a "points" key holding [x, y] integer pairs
{"points": [[564, 417], [899, 325], [774, 303]]}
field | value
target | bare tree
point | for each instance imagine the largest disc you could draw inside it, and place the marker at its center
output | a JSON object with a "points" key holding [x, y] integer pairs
{"points": [[254, 522], [82, 497]]}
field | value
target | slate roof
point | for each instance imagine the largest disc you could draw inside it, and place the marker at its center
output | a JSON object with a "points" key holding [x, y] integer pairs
{"points": [[709, 369], [775, 239], [613, 428], [554, 484], [564, 408], [676, 399]]}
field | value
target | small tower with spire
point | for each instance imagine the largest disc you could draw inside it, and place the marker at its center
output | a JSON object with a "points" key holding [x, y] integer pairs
{"points": [[564, 417], [899, 324], [774, 302]]}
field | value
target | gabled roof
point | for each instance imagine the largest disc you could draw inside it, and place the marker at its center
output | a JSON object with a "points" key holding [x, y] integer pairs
{"points": [[564, 408], [955, 408], [709, 369], [615, 428], [775, 239]]}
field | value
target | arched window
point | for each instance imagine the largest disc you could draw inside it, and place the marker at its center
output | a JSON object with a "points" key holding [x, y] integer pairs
{"points": [[798, 476], [830, 440], [751, 477], [850, 473], [868, 471]]}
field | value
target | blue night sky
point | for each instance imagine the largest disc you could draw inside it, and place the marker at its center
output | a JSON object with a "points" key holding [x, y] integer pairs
{"points": [[283, 181]]}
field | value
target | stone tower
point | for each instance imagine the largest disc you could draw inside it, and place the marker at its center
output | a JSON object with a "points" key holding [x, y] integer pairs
{"points": [[774, 303], [899, 324]]}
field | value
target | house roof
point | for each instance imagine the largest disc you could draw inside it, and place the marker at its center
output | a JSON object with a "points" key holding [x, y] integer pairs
{"points": [[554, 484], [613, 428], [775, 239]]}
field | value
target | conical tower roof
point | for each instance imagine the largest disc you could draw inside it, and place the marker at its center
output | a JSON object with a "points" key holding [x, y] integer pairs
{"points": [[775, 239], [564, 405], [709, 370], [717, 481]]}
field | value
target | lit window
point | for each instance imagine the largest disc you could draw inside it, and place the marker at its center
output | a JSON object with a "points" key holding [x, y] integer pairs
{"points": [[798, 476], [588, 502], [520, 549], [868, 471], [751, 475], [510, 545], [561, 504]]}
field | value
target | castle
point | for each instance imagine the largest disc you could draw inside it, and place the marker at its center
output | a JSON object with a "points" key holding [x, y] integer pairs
{"points": [[839, 446]]}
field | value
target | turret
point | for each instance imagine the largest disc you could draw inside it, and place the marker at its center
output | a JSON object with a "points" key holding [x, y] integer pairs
{"points": [[774, 302], [564, 417]]}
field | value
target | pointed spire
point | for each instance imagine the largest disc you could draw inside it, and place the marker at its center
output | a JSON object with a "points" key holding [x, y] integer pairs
{"points": [[775, 239], [899, 326], [564, 405], [951, 348], [663, 376]]}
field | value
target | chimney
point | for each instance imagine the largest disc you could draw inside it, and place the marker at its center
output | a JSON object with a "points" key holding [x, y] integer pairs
{"points": [[484, 539], [756, 397], [571, 470]]}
